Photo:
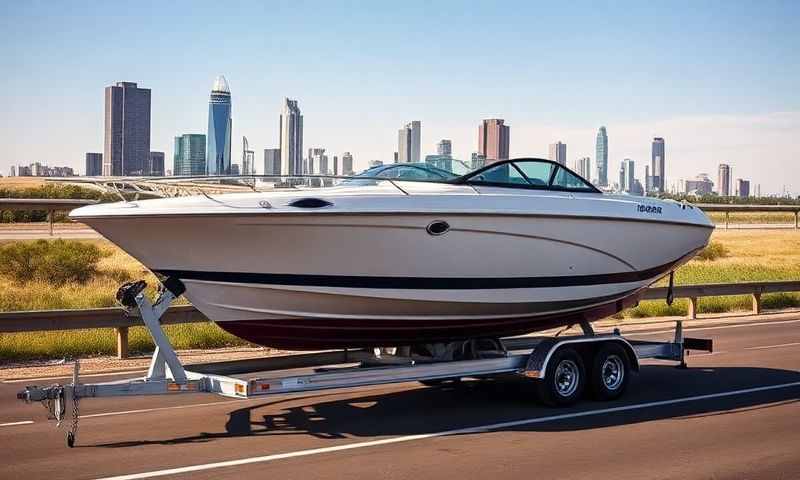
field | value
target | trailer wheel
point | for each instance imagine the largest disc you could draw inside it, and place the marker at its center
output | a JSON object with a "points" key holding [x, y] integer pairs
{"points": [[565, 378], [610, 372]]}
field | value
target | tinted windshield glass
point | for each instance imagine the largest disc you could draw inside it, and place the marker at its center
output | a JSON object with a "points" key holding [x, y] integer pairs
{"points": [[565, 179], [538, 173], [503, 173]]}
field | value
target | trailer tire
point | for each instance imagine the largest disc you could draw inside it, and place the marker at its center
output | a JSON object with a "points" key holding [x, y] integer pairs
{"points": [[611, 370], [564, 380], [437, 382]]}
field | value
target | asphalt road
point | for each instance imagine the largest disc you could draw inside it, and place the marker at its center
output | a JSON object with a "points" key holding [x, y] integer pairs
{"points": [[35, 232], [732, 414]]}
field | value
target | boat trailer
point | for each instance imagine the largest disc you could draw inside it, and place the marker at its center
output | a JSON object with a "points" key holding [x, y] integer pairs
{"points": [[562, 367]]}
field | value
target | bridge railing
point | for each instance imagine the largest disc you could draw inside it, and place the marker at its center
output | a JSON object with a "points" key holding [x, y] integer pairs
{"points": [[120, 320]]}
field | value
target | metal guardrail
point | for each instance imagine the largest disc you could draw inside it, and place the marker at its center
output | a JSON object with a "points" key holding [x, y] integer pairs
{"points": [[49, 204], [728, 209], [121, 321]]}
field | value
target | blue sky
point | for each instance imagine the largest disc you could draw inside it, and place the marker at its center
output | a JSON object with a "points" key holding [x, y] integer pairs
{"points": [[717, 79]]}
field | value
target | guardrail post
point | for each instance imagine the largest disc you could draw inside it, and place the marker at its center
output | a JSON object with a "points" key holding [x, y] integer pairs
{"points": [[122, 342], [726, 220], [692, 314], [50, 219], [757, 303], [796, 215]]}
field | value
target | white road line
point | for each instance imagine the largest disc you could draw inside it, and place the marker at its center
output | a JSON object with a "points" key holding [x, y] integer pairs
{"points": [[773, 346], [773, 323], [460, 431], [156, 409], [11, 424]]}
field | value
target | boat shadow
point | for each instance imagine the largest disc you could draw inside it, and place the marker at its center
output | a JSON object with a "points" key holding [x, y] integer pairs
{"points": [[413, 409]]}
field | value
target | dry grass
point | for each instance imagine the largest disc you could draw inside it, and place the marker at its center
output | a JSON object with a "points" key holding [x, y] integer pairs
{"points": [[21, 182], [744, 218], [750, 256]]}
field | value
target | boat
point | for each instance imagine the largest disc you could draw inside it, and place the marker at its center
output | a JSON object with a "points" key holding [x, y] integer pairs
{"points": [[516, 247]]}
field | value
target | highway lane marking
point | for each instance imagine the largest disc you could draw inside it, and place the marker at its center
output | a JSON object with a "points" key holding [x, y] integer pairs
{"points": [[11, 424], [794, 344], [694, 329], [459, 431]]}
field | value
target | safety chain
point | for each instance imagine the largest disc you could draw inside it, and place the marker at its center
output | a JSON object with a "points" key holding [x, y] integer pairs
{"points": [[75, 416]]}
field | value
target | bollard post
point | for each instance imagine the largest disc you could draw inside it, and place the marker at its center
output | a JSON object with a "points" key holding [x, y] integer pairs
{"points": [[757, 303], [692, 314], [796, 214], [122, 342], [726, 220], [50, 219]]}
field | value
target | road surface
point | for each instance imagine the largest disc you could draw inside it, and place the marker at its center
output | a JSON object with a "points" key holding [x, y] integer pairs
{"points": [[732, 414], [37, 231]]}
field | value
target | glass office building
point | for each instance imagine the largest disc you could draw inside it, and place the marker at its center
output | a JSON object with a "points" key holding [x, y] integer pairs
{"points": [[218, 149], [190, 155]]}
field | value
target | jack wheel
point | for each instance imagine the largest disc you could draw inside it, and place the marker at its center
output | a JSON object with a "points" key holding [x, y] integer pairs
{"points": [[70, 439], [611, 370], [565, 379]]}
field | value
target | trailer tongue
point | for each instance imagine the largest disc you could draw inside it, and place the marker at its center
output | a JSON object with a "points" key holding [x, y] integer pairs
{"points": [[563, 367]]}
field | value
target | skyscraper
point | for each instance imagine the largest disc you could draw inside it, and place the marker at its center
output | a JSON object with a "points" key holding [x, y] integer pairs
{"points": [[627, 177], [409, 142], [444, 147], [658, 177], [127, 129], [316, 161], [347, 164], [582, 168], [601, 157], [155, 164], [94, 164], [558, 153], [248, 158], [220, 128], [742, 188], [291, 140], [189, 157], [335, 165], [724, 180], [493, 140], [272, 161]]}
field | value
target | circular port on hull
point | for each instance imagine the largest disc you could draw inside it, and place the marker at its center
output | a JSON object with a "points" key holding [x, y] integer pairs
{"points": [[438, 227]]}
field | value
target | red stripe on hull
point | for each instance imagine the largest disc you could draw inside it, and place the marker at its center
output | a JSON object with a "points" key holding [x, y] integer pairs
{"points": [[314, 334]]}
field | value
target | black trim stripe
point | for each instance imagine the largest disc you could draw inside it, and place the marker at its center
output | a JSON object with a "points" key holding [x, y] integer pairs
{"points": [[420, 283]]}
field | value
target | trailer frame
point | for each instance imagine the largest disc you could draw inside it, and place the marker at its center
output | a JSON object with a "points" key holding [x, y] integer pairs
{"points": [[523, 356]]}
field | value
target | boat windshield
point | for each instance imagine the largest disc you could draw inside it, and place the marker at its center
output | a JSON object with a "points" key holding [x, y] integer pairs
{"points": [[529, 173]]}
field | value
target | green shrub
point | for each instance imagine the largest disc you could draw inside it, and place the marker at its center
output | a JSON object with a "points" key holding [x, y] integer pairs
{"points": [[713, 251], [57, 262]]}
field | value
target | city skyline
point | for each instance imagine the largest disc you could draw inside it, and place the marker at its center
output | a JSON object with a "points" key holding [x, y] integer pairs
{"points": [[749, 116]]}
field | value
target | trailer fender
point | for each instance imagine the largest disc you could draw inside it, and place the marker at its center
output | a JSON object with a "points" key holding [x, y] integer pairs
{"points": [[536, 366]]}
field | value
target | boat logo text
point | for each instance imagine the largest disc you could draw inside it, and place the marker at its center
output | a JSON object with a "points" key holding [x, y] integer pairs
{"points": [[648, 209]]}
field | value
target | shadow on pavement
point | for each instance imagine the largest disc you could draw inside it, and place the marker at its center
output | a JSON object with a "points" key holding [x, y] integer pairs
{"points": [[419, 410]]}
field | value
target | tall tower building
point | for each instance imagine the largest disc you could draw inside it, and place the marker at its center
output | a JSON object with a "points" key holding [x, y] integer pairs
{"points": [[94, 164], [291, 140], [155, 164], [601, 157], [558, 153], [493, 140], [658, 177], [248, 158], [444, 147], [189, 157], [347, 164], [220, 128], [127, 130], [272, 161], [409, 140], [724, 180], [581, 167], [627, 176]]}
